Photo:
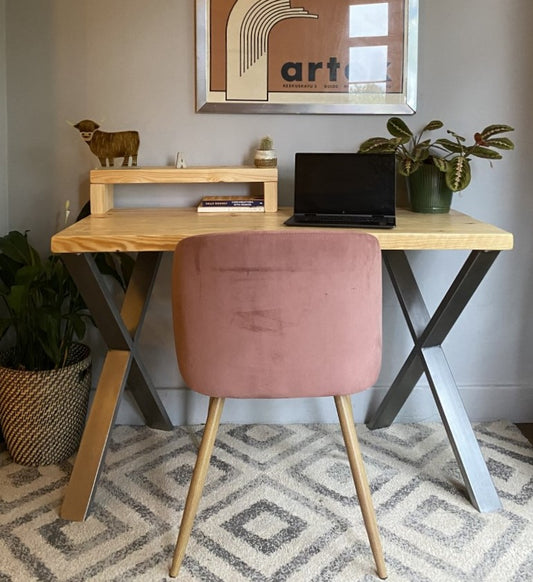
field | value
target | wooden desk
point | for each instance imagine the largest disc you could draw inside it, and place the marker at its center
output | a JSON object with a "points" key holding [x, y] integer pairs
{"points": [[150, 232]]}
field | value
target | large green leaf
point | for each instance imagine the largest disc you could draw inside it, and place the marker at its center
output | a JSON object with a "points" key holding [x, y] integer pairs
{"points": [[432, 125], [15, 245], [78, 324], [17, 300], [491, 130], [406, 166], [487, 153], [458, 173], [502, 143], [378, 145], [441, 163], [5, 324], [421, 152], [398, 128], [449, 145], [456, 135], [28, 275]]}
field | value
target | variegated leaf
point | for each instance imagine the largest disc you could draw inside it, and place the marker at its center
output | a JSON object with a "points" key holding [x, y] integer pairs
{"points": [[398, 128], [441, 163], [420, 153], [491, 130], [456, 135], [458, 174], [450, 145], [406, 166], [502, 143], [378, 145], [432, 125], [482, 152]]}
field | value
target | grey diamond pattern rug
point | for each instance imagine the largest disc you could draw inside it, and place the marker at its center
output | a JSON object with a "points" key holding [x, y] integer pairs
{"points": [[279, 505]]}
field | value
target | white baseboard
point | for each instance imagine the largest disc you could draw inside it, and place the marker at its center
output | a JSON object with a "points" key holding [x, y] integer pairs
{"points": [[483, 403]]}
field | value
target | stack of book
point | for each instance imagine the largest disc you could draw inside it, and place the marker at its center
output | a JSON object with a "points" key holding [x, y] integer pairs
{"points": [[231, 204]]}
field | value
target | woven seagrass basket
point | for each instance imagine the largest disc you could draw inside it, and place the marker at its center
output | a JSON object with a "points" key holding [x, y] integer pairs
{"points": [[43, 413]]}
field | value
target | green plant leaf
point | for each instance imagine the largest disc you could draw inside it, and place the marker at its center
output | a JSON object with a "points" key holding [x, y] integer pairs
{"points": [[458, 173], [450, 145], [495, 129], [432, 125], [5, 324], [482, 152], [17, 300], [398, 128], [421, 152], [440, 163], [15, 245], [456, 135], [502, 143], [406, 166], [378, 145]]}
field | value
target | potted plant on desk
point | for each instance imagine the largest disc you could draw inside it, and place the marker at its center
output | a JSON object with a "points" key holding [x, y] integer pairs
{"points": [[436, 168], [265, 154], [44, 371]]}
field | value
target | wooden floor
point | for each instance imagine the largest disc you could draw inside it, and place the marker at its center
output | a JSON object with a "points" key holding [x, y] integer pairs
{"points": [[527, 431]]}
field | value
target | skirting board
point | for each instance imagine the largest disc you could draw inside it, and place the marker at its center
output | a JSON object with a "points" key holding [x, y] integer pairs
{"points": [[483, 403]]}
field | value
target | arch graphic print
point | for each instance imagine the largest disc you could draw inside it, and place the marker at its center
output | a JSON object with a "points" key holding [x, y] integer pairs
{"points": [[249, 25]]}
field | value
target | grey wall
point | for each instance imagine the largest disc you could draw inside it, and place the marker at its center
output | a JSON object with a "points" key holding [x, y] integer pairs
{"points": [[3, 122], [131, 63]]}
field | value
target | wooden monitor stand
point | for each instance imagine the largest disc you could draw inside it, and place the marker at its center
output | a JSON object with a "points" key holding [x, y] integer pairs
{"points": [[103, 181]]}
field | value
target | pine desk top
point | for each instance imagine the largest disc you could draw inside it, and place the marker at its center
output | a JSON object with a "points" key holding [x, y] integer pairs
{"points": [[160, 229]]}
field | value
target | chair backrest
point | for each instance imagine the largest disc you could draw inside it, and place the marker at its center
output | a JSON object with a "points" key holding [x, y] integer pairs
{"points": [[278, 314]]}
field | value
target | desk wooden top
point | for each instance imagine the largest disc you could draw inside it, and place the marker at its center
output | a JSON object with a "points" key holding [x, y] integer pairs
{"points": [[148, 229]]}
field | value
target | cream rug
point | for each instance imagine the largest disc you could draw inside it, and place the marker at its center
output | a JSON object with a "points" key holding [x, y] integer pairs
{"points": [[279, 505]]}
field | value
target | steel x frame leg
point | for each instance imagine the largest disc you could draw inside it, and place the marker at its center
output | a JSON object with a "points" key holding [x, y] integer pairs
{"points": [[428, 357], [120, 330]]}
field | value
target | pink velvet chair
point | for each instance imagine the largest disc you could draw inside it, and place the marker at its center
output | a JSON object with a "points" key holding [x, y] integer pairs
{"points": [[278, 315]]}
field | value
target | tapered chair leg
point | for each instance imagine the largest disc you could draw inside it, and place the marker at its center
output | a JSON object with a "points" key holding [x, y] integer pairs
{"points": [[345, 412], [197, 482]]}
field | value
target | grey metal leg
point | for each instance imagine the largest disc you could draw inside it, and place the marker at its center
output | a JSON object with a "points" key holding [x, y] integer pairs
{"points": [[122, 366], [428, 357]]}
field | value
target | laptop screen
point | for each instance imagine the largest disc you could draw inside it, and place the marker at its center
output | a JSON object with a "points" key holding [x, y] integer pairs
{"points": [[345, 183]]}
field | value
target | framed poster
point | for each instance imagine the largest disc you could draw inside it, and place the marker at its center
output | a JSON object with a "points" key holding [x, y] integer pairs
{"points": [[306, 56]]}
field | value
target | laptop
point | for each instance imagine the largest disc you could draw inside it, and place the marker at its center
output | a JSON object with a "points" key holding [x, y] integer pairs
{"points": [[344, 189]]}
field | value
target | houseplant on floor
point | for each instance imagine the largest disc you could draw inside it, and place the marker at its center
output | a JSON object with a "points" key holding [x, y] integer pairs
{"points": [[44, 370], [436, 168]]}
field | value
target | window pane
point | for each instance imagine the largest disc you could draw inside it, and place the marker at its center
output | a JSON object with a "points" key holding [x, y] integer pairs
{"points": [[369, 20], [368, 64]]}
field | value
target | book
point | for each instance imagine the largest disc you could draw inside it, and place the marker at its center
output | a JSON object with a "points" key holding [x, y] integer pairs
{"points": [[230, 208], [231, 204]]}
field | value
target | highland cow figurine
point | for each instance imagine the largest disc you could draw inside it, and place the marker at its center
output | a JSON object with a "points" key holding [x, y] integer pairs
{"points": [[107, 146]]}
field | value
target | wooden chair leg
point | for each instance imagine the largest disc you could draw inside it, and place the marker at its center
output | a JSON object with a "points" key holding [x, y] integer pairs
{"points": [[197, 482], [345, 412]]}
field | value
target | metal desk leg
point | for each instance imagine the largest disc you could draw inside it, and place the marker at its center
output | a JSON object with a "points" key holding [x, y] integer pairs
{"points": [[120, 330], [428, 357]]}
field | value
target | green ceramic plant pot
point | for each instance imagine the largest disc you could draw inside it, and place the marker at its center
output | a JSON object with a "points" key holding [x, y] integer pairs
{"points": [[428, 191]]}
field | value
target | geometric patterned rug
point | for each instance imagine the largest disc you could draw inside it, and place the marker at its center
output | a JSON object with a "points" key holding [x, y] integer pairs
{"points": [[279, 505]]}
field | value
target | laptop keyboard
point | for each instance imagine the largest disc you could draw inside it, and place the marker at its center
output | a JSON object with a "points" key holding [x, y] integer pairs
{"points": [[337, 219]]}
